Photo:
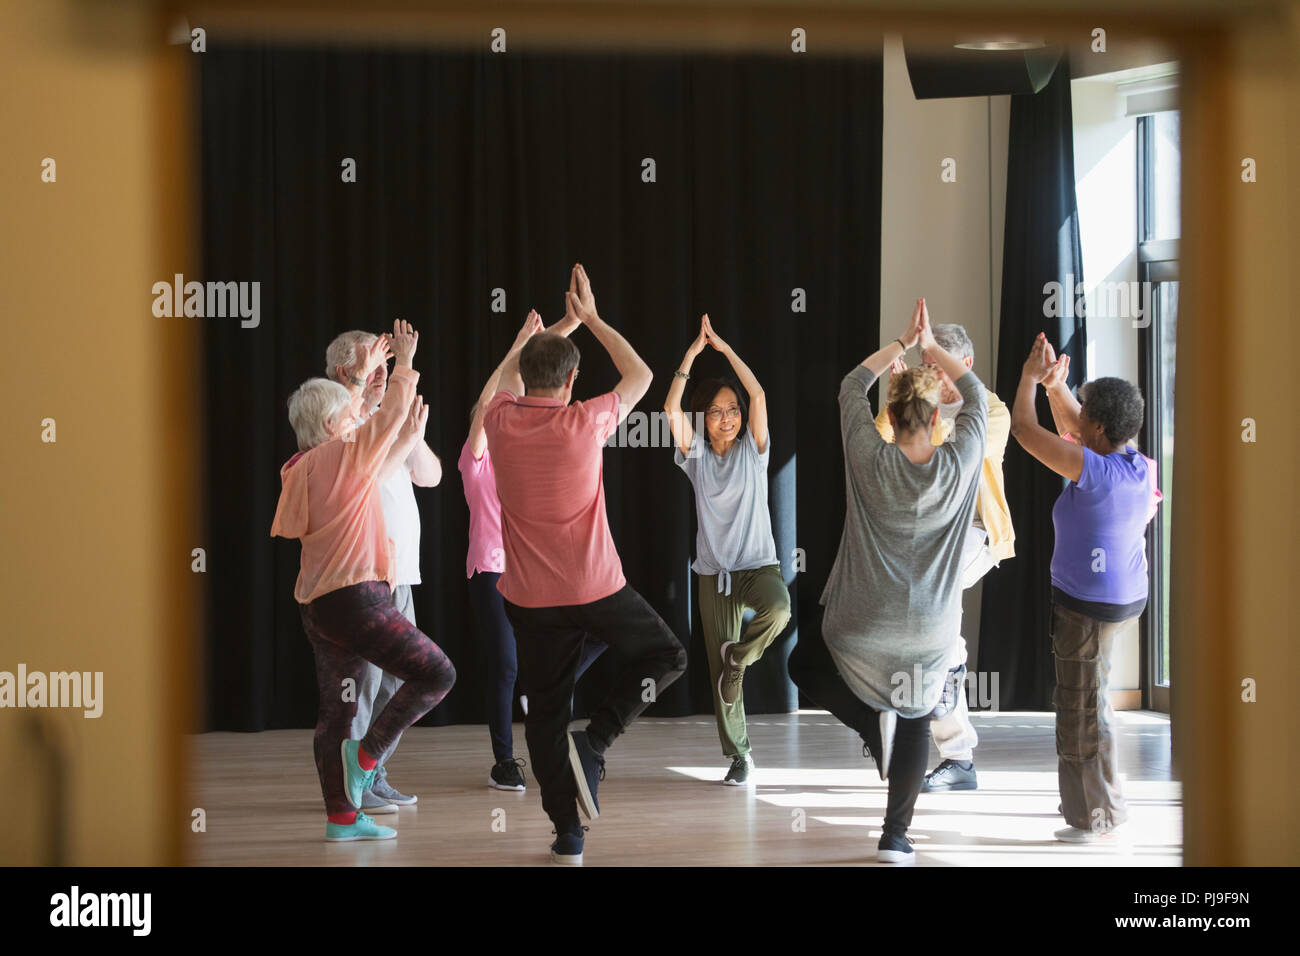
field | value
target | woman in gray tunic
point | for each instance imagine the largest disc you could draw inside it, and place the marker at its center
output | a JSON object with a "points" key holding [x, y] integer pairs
{"points": [[893, 599], [735, 554]]}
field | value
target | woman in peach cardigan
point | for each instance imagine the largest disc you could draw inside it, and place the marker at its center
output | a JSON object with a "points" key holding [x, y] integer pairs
{"points": [[329, 500]]}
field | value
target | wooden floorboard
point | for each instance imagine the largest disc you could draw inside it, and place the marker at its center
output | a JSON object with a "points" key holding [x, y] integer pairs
{"points": [[663, 805]]}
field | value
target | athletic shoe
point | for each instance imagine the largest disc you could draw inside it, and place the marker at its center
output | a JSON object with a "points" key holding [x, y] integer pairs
{"points": [[364, 829], [507, 775], [950, 775], [1075, 835], [567, 848], [355, 780], [732, 677], [588, 771], [384, 790], [888, 724], [895, 848], [374, 804], [738, 775]]}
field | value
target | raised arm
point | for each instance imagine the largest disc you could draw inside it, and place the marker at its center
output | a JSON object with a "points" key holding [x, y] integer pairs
{"points": [[757, 400], [373, 440], [970, 431], [636, 375], [504, 376], [1065, 407], [679, 421], [886, 356], [1062, 456], [409, 437]]}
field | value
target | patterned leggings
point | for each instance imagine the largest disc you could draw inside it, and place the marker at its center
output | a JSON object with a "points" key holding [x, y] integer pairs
{"points": [[346, 628]]}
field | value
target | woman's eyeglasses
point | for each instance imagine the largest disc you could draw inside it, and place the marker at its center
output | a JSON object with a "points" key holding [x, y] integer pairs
{"points": [[717, 414]]}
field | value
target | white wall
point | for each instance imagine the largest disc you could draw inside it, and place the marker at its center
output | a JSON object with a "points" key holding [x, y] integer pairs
{"points": [[1105, 173], [942, 240]]}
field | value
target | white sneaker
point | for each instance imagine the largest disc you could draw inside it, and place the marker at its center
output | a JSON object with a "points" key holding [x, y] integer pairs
{"points": [[1075, 835], [888, 724]]}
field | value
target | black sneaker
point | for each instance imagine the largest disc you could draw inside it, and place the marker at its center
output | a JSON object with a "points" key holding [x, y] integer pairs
{"points": [[738, 775], [950, 775], [588, 771], [895, 848], [567, 848], [507, 774]]}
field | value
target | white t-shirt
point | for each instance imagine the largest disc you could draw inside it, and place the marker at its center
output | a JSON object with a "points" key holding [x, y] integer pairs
{"points": [[402, 519], [402, 516]]}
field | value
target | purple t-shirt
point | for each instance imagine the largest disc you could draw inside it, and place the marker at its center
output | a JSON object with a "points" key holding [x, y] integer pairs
{"points": [[1100, 522]]}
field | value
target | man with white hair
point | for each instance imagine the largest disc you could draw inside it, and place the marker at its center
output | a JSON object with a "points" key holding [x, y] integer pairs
{"points": [[345, 363], [991, 538]]}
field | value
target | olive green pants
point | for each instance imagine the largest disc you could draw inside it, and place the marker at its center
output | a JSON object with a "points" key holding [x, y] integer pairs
{"points": [[763, 591]]}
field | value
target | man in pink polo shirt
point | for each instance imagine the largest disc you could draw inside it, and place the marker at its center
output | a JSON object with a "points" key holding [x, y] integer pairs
{"points": [[563, 578]]}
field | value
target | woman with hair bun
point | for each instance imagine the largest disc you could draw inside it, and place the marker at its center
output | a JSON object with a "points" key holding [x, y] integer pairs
{"points": [[893, 600], [1099, 570]]}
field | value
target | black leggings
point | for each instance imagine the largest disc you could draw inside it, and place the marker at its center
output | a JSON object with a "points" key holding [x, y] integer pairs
{"points": [[813, 670], [346, 628]]}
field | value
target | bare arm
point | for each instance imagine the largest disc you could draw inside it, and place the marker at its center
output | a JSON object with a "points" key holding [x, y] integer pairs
{"points": [[373, 440], [679, 421], [891, 352], [1065, 407], [636, 375], [424, 466], [1062, 456], [504, 376], [749, 381]]}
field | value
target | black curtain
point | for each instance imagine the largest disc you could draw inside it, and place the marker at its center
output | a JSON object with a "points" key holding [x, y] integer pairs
{"points": [[1041, 246], [477, 172]]}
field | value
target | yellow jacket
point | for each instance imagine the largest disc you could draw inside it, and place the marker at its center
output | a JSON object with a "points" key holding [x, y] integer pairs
{"points": [[991, 501]]}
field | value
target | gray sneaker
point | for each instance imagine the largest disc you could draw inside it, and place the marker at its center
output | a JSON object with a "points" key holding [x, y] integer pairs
{"points": [[738, 775], [374, 805], [384, 790], [732, 677]]}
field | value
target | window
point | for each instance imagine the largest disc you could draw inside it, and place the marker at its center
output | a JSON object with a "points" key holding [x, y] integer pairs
{"points": [[1159, 229]]}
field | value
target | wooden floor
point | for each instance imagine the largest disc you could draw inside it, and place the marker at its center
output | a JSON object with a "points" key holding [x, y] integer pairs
{"points": [[663, 804]]}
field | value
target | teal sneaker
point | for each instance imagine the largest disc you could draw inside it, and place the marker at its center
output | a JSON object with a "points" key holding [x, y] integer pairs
{"points": [[364, 829], [355, 780]]}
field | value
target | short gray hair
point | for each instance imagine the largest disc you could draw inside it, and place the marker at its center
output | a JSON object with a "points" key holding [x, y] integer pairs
{"points": [[343, 351], [315, 404], [953, 339]]}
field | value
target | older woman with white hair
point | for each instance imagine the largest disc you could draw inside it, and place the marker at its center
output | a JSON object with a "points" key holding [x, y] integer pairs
{"points": [[330, 501]]}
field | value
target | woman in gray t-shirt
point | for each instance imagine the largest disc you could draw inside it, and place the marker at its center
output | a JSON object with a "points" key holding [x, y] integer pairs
{"points": [[725, 457]]}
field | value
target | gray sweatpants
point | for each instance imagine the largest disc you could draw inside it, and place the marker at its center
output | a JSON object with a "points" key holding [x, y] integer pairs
{"points": [[377, 686]]}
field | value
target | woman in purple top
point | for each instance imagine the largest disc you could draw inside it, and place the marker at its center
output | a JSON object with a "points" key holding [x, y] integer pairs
{"points": [[1099, 570]]}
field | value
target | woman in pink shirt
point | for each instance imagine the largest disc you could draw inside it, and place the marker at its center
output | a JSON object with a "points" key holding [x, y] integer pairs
{"points": [[329, 500], [485, 563]]}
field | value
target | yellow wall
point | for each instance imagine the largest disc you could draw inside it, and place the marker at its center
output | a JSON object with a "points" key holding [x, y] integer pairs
{"points": [[96, 555]]}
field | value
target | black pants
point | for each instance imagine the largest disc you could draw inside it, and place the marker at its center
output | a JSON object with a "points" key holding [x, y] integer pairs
{"points": [[497, 641], [549, 643], [813, 670]]}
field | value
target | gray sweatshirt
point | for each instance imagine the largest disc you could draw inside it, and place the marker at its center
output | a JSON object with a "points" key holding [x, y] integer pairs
{"points": [[893, 599]]}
